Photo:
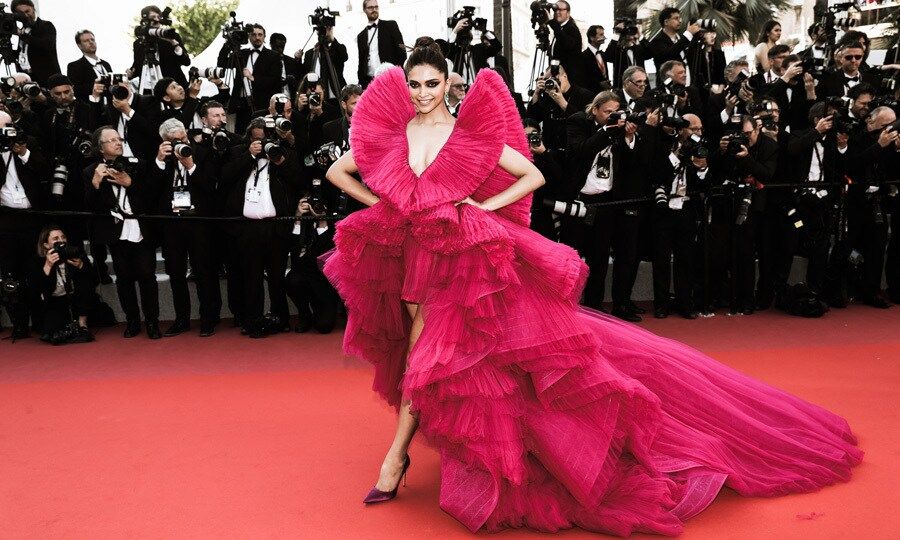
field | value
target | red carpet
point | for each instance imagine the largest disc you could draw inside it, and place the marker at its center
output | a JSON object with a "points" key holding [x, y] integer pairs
{"points": [[280, 438]]}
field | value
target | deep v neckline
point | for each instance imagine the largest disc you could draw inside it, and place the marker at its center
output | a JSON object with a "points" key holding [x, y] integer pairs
{"points": [[437, 156]]}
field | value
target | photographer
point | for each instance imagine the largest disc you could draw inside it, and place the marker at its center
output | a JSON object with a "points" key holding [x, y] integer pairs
{"points": [[815, 53], [66, 284], [263, 181], [157, 56], [871, 159], [628, 50], [554, 100], [316, 300], [116, 187], [549, 162], [37, 44], [794, 91], [610, 159], [566, 43], [668, 44], [635, 85], [456, 91], [290, 66], [130, 118], [337, 54], [706, 61], [257, 77], [181, 177], [467, 58], [680, 169], [776, 56], [21, 188], [838, 82], [744, 163], [380, 41], [174, 102], [87, 69], [672, 80], [312, 112], [820, 156], [338, 131], [726, 107]]}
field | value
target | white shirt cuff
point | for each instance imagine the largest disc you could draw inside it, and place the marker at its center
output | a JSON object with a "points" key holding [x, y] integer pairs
{"points": [[93, 98], [128, 116], [24, 157], [192, 169], [843, 150], [723, 116], [161, 165], [688, 35]]}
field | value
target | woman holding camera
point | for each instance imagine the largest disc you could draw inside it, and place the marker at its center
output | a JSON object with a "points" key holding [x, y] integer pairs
{"points": [[66, 282]]}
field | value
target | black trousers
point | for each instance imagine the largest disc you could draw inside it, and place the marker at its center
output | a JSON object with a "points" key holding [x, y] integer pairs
{"points": [[312, 293], [615, 228], [18, 248], [892, 260], [180, 240], [135, 265], [264, 255], [674, 233], [869, 238], [731, 261], [59, 311], [542, 223]]}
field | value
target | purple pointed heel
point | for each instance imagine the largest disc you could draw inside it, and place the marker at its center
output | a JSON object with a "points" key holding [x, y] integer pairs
{"points": [[378, 496]]}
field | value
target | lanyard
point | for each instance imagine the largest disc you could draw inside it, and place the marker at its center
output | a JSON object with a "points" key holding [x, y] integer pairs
{"points": [[180, 183], [371, 39], [257, 173]]}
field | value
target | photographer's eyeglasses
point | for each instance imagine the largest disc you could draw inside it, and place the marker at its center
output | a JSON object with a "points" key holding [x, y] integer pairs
{"points": [[642, 82], [110, 141], [460, 86], [853, 57]]}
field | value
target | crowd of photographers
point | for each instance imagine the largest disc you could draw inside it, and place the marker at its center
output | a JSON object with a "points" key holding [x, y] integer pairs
{"points": [[718, 177]]}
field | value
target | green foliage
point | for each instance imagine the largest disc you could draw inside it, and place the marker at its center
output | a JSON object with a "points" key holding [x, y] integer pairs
{"points": [[736, 20], [200, 21]]}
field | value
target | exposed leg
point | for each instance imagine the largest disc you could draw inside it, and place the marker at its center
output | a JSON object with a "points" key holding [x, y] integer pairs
{"points": [[407, 422]]}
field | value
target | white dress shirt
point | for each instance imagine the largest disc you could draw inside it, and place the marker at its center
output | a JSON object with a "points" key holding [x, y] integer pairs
{"points": [[258, 192], [372, 39], [12, 194]]}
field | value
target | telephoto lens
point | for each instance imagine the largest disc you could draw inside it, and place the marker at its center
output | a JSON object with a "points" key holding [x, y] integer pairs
{"points": [[182, 150], [273, 151], [214, 73], [60, 177], [31, 89]]}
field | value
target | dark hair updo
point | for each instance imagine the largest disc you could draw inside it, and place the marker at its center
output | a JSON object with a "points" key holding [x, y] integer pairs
{"points": [[427, 52]]}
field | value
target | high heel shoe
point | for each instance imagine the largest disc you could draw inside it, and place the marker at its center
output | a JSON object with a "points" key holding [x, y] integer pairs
{"points": [[377, 496]]}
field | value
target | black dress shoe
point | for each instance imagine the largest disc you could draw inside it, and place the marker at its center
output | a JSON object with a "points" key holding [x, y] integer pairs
{"points": [[303, 326], [207, 328], [877, 302], [631, 306], [177, 327], [661, 312], [19, 332], [748, 311], [626, 314], [153, 330], [689, 314], [132, 328]]}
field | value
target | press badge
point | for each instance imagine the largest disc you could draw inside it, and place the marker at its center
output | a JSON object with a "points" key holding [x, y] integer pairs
{"points": [[181, 200], [253, 195]]}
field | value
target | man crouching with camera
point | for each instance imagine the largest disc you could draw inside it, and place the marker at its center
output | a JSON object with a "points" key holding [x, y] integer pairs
{"points": [[66, 283]]}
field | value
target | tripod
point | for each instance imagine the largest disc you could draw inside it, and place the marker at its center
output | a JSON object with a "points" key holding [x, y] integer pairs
{"points": [[462, 60]]}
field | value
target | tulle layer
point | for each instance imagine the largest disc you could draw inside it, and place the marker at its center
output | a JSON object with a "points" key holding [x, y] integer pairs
{"points": [[548, 415]]}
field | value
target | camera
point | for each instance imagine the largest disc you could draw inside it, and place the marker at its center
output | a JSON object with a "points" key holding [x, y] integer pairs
{"points": [[843, 123], [551, 85], [316, 200], [10, 290], [218, 138], [323, 18], [574, 209], [635, 118], [707, 25], [272, 150], [236, 33], [674, 88], [695, 147], [113, 82], [534, 138], [9, 27], [814, 66], [745, 201], [281, 102], [467, 12], [660, 197], [68, 251], [315, 100], [146, 29], [209, 73], [30, 89], [735, 142], [626, 27], [326, 155], [124, 164], [181, 150], [278, 122], [539, 10], [60, 177], [9, 136], [742, 80]]}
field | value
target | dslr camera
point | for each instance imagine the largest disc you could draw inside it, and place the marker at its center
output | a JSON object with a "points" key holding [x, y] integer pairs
{"points": [[67, 251], [125, 164], [626, 27], [534, 138], [9, 136], [208, 73], [217, 138], [322, 18], [145, 29], [113, 82], [326, 155]]}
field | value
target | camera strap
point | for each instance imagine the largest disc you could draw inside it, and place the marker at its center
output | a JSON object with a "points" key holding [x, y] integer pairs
{"points": [[259, 171], [180, 181], [372, 37]]}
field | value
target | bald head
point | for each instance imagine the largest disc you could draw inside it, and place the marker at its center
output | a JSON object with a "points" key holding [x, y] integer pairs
{"points": [[880, 118], [5, 119]]}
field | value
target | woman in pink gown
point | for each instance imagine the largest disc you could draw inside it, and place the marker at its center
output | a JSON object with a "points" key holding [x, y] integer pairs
{"points": [[546, 415]]}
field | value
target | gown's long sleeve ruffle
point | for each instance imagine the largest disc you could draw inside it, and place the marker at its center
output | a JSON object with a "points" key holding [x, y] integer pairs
{"points": [[545, 414]]}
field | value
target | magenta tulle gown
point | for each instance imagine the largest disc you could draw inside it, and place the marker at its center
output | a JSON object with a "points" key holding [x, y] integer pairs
{"points": [[546, 415]]}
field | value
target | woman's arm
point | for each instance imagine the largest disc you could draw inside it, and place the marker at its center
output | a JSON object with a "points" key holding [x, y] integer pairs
{"points": [[762, 57], [341, 175], [529, 179]]}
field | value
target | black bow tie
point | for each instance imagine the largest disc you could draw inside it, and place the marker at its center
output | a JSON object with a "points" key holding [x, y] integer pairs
{"points": [[854, 79], [255, 50], [373, 25]]}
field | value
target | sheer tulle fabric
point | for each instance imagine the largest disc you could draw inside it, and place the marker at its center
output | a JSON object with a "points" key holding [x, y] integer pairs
{"points": [[546, 415]]}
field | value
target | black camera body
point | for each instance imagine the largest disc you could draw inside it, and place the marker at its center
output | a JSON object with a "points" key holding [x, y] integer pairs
{"points": [[735, 142], [314, 98], [695, 147], [113, 82], [181, 150], [322, 18], [236, 33], [9, 136], [327, 154], [316, 198], [68, 251], [539, 10], [277, 122], [9, 27], [10, 290], [626, 27], [219, 138], [467, 12], [124, 164], [145, 29], [534, 138]]}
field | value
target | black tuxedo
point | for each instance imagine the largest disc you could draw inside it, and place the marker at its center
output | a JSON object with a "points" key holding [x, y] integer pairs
{"points": [[619, 57], [553, 119], [663, 49], [292, 72], [336, 131], [83, 76], [142, 136], [565, 46], [41, 51], [316, 300], [169, 62], [338, 54], [390, 48], [266, 77], [832, 82], [706, 68], [593, 77], [478, 52], [794, 110]]}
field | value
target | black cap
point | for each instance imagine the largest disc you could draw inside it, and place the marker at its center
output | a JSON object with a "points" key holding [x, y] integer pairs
{"points": [[58, 80], [159, 90]]}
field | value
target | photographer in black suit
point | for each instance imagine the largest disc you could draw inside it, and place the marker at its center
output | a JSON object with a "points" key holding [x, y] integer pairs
{"points": [[181, 177], [338, 131], [169, 54], [37, 44], [838, 82], [290, 66], [611, 159], [258, 76], [594, 61], [66, 283], [380, 41], [21, 188], [263, 182], [116, 187], [316, 300], [87, 69], [554, 100], [668, 44], [550, 163], [565, 45], [316, 62]]}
